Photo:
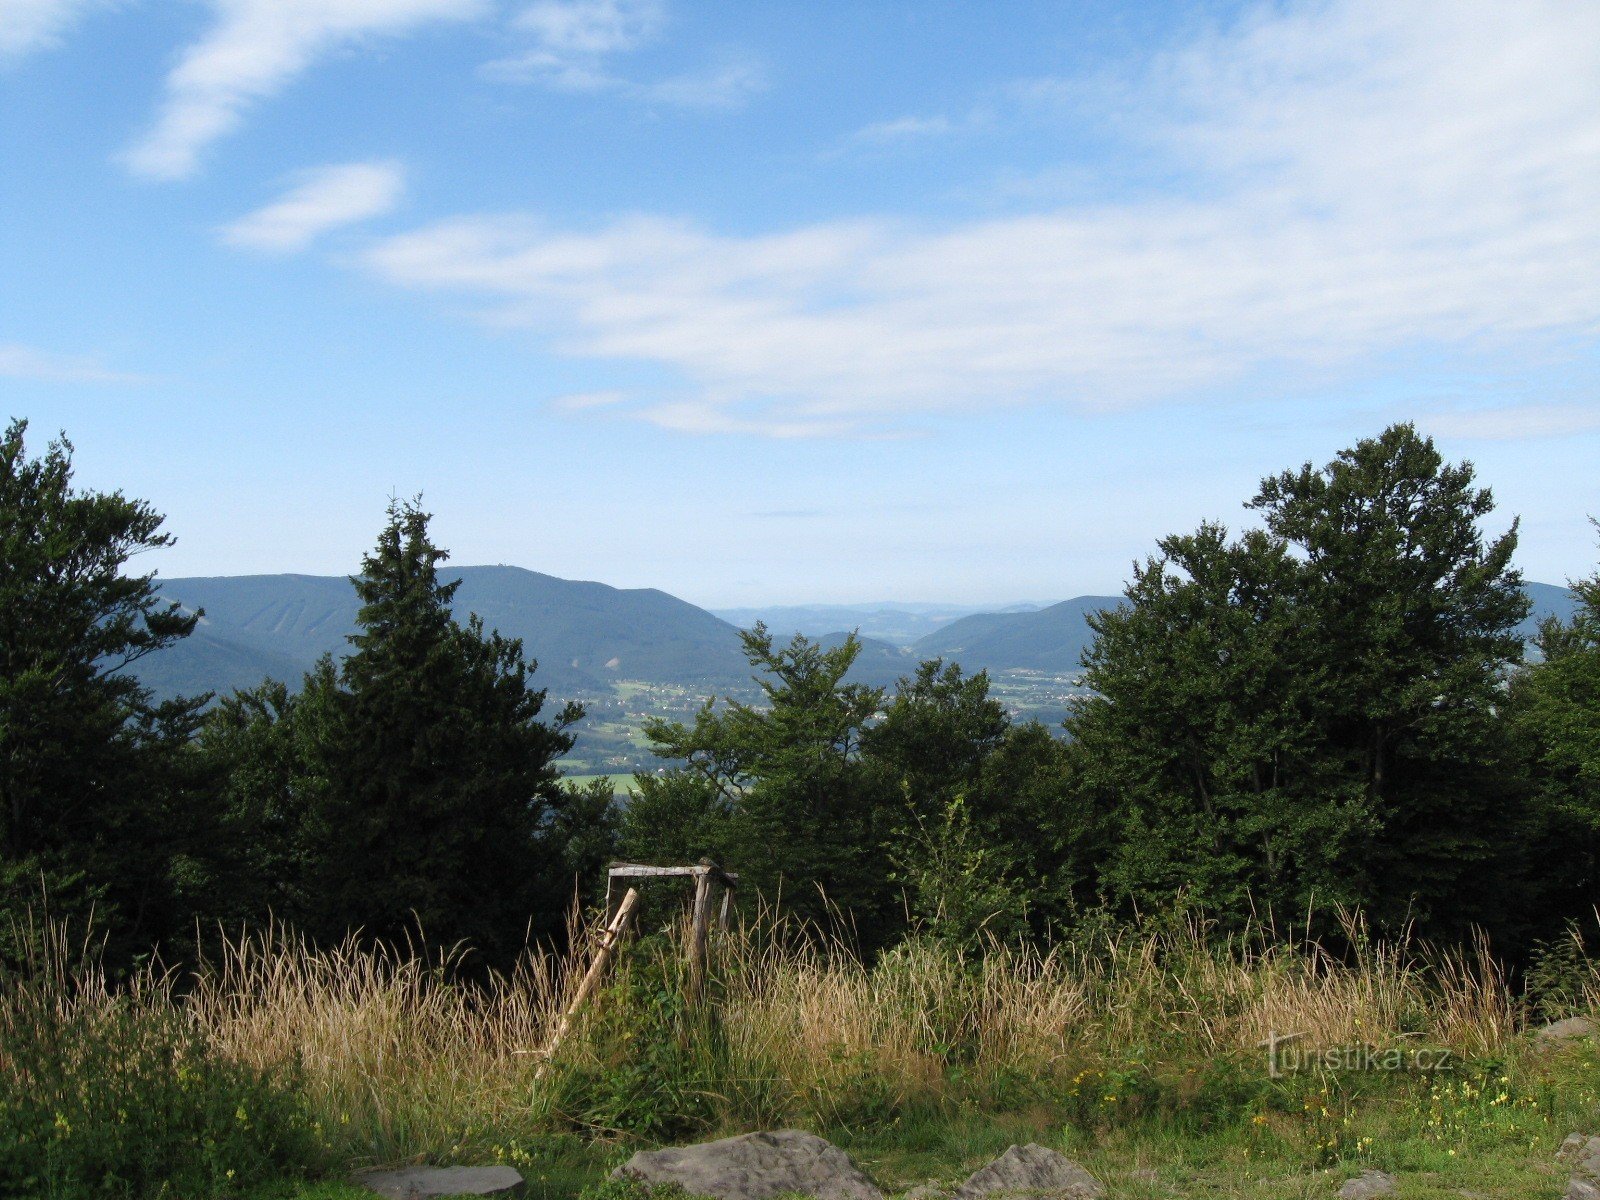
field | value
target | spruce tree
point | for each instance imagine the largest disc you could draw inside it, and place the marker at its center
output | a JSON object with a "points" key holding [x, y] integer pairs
{"points": [[98, 799], [442, 795]]}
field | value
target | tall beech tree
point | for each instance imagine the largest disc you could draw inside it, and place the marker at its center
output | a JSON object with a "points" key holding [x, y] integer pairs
{"points": [[1309, 711], [1555, 714]]}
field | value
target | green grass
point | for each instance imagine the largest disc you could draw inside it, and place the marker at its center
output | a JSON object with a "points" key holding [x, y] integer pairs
{"points": [[1140, 1058], [1135, 1164], [1441, 1135], [620, 783]]}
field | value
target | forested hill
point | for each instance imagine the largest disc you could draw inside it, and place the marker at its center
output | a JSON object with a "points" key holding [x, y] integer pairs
{"points": [[587, 635], [1051, 639], [582, 634]]}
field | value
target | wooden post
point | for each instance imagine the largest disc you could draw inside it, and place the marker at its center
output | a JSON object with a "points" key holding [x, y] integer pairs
{"points": [[700, 923], [591, 979], [726, 912]]}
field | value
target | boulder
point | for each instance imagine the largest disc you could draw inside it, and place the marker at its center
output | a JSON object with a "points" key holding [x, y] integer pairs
{"points": [[1572, 1029], [1579, 1188], [1031, 1170], [755, 1166], [418, 1183], [1367, 1185], [1583, 1153]]}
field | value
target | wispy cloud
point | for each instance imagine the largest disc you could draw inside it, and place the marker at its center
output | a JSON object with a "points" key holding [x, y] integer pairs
{"points": [[1514, 424], [254, 48], [725, 85], [584, 401], [323, 199], [29, 25], [1360, 179], [905, 129], [572, 43], [42, 366]]}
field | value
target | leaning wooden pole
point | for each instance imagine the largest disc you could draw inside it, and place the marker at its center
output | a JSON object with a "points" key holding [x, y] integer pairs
{"points": [[591, 978], [698, 928]]}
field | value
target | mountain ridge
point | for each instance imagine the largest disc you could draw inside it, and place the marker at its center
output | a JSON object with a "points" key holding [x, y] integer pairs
{"points": [[587, 635]]}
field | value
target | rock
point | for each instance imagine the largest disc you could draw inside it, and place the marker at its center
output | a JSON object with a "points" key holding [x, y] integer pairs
{"points": [[416, 1183], [1583, 1153], [932, 1190], [1367, 1185], [1579, 1188], [1031, 1170], [756, 1166], [1570, 1030]]}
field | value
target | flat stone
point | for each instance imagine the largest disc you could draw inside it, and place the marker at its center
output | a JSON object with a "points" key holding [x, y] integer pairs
{"points": [[1570, 1030], [1579, 1188], [1367, 1185], [417, 1183], [1583, 1153], [755, 1166], [932, 1190], [1031, 1170]]}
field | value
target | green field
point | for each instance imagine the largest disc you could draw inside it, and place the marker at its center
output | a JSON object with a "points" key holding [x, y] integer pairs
{"points": [[620, 783]]}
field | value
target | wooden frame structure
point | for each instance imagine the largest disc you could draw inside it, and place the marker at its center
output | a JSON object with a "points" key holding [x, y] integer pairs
{"points": [[706, 875]]}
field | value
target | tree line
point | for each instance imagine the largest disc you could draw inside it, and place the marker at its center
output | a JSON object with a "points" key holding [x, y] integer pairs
{"points": [[1331, 710]]}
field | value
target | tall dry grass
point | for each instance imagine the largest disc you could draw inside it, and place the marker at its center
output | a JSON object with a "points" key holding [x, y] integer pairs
{"points": [[821, 1019], [396, 1059]]}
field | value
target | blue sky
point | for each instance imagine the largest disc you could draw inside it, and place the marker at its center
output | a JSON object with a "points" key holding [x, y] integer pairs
{"points": [[782, 302]]}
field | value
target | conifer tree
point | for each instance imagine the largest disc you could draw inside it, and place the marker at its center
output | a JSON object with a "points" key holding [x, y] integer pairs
{"points": [[442, 792], [97, 796]]}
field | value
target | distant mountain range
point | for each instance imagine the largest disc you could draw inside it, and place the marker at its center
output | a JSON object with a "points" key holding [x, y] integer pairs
{"points": [[897, 624], [585, 636]]}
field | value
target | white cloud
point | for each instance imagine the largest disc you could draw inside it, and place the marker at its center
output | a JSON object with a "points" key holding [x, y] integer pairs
{"points": [[1360, 179], [727, 85], [572, 38], [904, 128], [1514, 424], [583, 401], [590, 28], [324, 199], [29, 25], [252, 50], [572, 41], [41, 366]]}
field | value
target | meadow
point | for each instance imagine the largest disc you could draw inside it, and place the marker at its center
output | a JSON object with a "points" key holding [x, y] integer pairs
{"points": [[275, 1069]]}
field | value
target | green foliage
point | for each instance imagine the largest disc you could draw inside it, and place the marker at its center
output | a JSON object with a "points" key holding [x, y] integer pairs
{"points": [[411, 789], [438, 805], [801, 821], [1554, 716], [1310, 710], [935, 735], [123, 1097], [1561, 975], [651, 1070], [98, 795], [959, 885], [629, 1187]]}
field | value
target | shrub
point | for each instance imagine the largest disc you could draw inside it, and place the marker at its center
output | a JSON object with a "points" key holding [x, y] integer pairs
{"points": [[117, 1095]]}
